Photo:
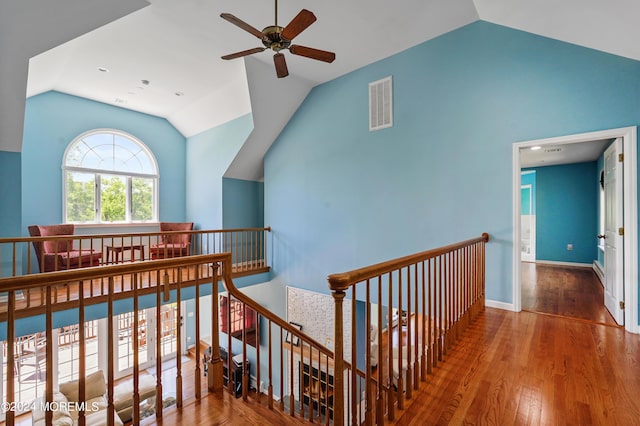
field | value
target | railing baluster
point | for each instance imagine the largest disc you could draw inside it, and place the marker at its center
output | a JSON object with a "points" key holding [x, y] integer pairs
{"points": [[179, 339], [82, 370], [110, 353], [354, 349], [159, 407], [198, 384], [135, 336], [11, 373]]}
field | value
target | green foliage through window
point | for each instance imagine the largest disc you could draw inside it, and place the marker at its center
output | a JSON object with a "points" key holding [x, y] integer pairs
{"points": [[109, 177]]}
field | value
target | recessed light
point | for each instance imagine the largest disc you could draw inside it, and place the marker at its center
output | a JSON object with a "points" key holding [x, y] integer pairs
{"points": [[535, 148], [103, 69]]}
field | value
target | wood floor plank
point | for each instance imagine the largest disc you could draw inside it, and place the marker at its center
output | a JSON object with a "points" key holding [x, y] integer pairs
{"points": [[530, 369], [574, 292]]}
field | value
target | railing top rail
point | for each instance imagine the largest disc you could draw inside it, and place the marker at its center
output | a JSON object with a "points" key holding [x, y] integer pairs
{"points": [[128, 235], [265, 313], [24, 282], [342, 281]]}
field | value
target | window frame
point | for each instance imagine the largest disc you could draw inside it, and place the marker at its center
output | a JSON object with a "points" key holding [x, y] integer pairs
{"points": [[98, 174]]}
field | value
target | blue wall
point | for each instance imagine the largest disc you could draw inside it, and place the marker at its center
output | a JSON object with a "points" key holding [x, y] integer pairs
{"points": [[53, 120], [10, 196], [339, 197], [209, 154], [567, 213], [10, 201], [242, 204]]}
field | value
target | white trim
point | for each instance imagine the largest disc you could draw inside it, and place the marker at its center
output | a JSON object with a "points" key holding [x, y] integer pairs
{"points": [[599, 272], [559, 263], [629, 135], [499, 305]]}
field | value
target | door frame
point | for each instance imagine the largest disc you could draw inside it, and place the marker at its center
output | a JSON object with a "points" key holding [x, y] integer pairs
{"points": [[630, 193]]}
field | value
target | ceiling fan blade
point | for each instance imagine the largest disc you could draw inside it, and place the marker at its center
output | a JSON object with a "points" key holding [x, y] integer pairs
{"points": [[309, 52], [244, 53], [298, 24], [240, 23], [281, 65]]}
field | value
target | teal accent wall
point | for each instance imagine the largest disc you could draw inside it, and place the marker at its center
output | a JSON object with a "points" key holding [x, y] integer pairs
{"points": [[54, 119], [10, 196], [567, 213], [242, 204], [10, 201], [209, 154], [340, 197], [529, 178]]}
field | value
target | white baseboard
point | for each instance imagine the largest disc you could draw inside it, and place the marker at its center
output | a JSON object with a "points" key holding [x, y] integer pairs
{"points": [[558, 263], [499, 305], [599, 272]]}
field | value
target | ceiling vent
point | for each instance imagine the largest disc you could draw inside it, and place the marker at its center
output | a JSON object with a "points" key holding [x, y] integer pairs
{"points": [[380, 104]]}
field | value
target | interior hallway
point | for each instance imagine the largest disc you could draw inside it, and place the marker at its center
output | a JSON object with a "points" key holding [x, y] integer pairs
{"points": [[572, 292]]}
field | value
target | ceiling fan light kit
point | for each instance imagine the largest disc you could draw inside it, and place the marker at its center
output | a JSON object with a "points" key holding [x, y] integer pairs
{"points": [[279, 38]]}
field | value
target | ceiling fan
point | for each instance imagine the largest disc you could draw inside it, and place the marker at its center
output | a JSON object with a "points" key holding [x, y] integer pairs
{"points": [[277, 38]]}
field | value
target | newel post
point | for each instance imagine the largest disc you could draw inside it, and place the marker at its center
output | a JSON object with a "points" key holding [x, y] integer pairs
{"points": [[338, 374], [214, 376]]}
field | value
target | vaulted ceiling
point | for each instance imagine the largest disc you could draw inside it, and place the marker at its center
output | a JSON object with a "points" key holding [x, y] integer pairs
{"points": [[164, 58]]}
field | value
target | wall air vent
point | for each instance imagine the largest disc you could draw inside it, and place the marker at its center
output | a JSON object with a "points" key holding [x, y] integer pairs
{"points": [[380, 104]]}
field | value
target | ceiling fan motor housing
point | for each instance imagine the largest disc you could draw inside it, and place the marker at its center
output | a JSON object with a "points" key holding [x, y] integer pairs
{"points": [[273, 38]]}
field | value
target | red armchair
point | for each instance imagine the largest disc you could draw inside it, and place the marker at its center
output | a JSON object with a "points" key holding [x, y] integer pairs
{"points": [[173, 245], [59, 254]]}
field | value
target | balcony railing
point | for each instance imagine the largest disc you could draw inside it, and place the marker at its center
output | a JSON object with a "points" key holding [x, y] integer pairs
{"points": [[27, 255], [124, 287], [423, 303]]}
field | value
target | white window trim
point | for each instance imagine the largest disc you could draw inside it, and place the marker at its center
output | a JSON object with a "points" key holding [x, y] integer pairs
{"points": [[97, 222]]}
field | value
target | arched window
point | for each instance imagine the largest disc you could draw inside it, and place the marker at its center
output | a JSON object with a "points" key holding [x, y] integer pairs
{"points": [[109, 177]]}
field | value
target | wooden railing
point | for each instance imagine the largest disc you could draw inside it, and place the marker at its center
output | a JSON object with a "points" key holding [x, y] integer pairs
{"points": [[299, 366], [418, 305], [18, 256], [138, 285]]}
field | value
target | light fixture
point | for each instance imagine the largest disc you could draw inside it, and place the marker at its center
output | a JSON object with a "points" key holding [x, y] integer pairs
{"points": [[103, 69], [179, 94], [535, 148]]}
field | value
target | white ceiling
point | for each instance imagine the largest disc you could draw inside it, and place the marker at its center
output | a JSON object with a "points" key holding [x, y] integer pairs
{"points": [[176, 45], [553, 155]]}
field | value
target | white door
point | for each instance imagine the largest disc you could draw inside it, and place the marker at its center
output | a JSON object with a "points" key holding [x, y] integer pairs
{"points": [[613, 222]]}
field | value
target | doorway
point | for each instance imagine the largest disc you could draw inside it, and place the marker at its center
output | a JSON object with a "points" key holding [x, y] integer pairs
{"points": [[628, 140]]}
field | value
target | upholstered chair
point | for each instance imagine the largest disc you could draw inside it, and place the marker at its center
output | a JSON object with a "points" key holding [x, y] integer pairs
{"points": [[60, 254], [173, 245]]}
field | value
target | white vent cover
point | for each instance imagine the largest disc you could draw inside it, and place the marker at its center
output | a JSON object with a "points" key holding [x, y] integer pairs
{"points": [[380, 104]]}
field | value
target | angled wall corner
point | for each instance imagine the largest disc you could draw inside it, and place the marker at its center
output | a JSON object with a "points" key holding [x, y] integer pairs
{"points": [[273, 103], [208, 155]]}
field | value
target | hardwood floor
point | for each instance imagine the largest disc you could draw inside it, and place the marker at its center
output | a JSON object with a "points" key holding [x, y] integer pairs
{"points": [[564, 291], [507, 369], [530, 369]]}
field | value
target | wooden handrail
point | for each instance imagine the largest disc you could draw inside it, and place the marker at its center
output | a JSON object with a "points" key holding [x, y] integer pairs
{"points": [[262, 311], [435, 295], [342, 281]]}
